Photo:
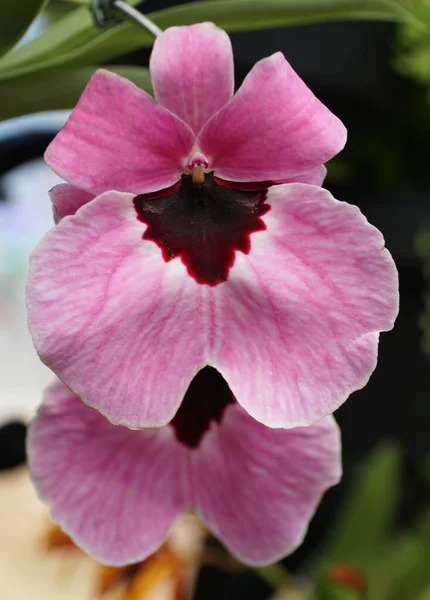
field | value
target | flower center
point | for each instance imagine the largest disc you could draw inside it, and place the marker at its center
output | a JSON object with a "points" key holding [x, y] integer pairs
{"points": [[205, 401], [203, 221]]}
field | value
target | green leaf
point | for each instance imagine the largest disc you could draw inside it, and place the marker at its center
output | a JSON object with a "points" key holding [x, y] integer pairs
{"points": [[328, 590], [56, 89], [76, 2], [426, 594], [232, 15], [366, 517], [406, 566], [15, 18], [414, 42], [73, 29], [70, 32]]}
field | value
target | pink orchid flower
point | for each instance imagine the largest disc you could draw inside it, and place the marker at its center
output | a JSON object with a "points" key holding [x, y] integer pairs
{"points": [[117, 491], [195, 233]]}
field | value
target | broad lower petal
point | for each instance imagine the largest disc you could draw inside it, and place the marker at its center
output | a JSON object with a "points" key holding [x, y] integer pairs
{"points": [[273, 129], [66, 199], [292, 324], [257, 488], [117, 138], [192, 71], [297, 322], [115, 491], [123, 329]]}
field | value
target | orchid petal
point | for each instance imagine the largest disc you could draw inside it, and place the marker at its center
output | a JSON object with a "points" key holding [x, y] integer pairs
{"points": [[66, 199], [257, 488], [192, 71], [116, 323], [297, 322], [273, 129], [115, 491], [315, 176], [293, 330], [117, 138]]}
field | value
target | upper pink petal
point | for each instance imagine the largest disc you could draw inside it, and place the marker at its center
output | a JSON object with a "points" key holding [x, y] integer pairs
{"points": [[66, 199], [118, 325], [273, 129], [296, 325], [117, 138], [257, 488], [192, 71], [116, 492], [315, 176]]}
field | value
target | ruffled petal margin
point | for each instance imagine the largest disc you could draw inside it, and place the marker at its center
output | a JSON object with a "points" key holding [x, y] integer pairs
{"points": [[297, 324], [257, 488], [119, 325], [115, 491]]}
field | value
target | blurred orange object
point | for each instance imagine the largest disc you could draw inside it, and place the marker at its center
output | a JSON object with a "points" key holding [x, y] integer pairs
{"points": [[348, 576], [39, 561], [56, 538], [137, 581]]}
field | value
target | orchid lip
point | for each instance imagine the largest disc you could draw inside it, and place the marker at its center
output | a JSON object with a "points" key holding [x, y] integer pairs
{"points": [[202, 222], [204, 403]]}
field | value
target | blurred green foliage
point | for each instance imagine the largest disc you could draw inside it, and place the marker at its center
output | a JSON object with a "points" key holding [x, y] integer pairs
{"points": [[367, 515], [414, 37], [15, 20], [61, 88], [386, 564]]}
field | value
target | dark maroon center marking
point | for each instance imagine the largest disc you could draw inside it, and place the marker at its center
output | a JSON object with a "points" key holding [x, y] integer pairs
{"points": [[203, 224], [205, 400]]}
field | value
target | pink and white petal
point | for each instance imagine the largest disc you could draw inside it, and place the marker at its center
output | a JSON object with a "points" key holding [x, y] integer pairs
{"points": [[313, 177], [122, 328], [257, 488], [192, 71], [66, 199], [273, 129], [115, 491], [297, 322], [118, 138]]}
